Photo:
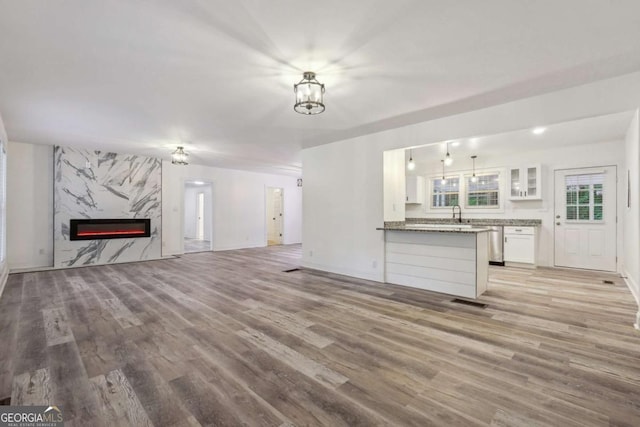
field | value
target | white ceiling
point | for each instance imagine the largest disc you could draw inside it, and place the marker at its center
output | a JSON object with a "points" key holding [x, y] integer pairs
{"points": [[145, 76], [608, 128]]}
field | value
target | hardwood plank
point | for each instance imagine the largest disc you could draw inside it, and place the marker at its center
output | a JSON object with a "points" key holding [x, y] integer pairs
{"points": [[228, 338], [119, 403], [56, 327], [32, 388], [299, 362]]}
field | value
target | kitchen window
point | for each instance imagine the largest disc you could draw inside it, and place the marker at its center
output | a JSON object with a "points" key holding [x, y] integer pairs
{"points": [[445, 194], [484, 193]]}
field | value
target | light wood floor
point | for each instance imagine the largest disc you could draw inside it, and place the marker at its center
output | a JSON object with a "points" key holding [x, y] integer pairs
{"points": [[227, 338]]}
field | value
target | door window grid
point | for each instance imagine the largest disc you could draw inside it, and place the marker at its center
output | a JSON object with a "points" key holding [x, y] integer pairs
{"points": [[445, 194], [584, 197]]}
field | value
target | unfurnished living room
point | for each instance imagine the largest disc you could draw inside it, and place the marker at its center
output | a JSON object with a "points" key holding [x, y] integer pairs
{"points": [[356, 213]]}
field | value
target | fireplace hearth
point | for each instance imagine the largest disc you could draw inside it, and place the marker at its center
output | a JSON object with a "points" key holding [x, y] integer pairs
{"points": [[95, 229]]}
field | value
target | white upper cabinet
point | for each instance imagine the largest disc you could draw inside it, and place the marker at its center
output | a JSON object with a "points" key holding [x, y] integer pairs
{"points": [[415, 189], [525, 183]]}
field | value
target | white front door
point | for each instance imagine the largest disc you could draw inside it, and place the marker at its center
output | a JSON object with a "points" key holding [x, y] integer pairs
{"points": [[585, 218]]}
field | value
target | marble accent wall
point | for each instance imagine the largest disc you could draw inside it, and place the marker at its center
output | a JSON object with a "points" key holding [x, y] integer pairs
{"points": [[94, 184]]}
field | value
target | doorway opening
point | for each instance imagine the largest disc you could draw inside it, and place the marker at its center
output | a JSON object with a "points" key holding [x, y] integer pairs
{"points": [[585, 218], [198, 216], [275, 206]]}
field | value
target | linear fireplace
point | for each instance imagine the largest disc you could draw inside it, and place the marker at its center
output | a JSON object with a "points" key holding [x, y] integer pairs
{"points": [[93, 229]]}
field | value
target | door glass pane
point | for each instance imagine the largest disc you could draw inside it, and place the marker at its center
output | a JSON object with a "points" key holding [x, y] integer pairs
{"points": [[597, 194], [583, 213], [597, 213], [571, 212], [583, 196]]}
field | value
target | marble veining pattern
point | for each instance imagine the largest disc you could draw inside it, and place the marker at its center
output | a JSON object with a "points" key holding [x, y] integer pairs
{"points": [[94, 184]]}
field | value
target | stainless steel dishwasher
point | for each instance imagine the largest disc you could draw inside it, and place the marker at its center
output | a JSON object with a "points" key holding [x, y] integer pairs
{"points": [[496, 242]]}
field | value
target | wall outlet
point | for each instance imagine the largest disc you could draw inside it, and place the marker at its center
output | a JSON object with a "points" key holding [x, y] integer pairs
{"points": [[374, 264], [41, 251], [87, 165], [310, 253]]}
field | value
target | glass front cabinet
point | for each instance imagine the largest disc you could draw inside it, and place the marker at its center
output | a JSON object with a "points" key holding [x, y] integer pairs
{"points": [[525, 183]]}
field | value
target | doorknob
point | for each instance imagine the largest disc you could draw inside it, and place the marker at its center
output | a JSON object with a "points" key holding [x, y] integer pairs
{"points": [[558, 216], [557, 223]]}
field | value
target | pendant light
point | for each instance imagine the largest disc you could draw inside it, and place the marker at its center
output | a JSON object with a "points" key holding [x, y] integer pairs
{"points": [[411, 165], [309, 93], [443, 181], [179, 157], [448, 160], [474, 178]]}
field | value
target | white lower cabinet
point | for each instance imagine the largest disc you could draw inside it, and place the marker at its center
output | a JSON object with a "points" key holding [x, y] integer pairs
{"points": [[520, 244]]}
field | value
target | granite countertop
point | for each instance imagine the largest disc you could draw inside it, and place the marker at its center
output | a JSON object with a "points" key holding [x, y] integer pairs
{"points": [[451, 229], [476, 222]]}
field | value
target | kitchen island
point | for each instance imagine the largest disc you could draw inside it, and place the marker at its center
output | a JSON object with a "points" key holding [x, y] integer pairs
{"points": [[448, 258]]}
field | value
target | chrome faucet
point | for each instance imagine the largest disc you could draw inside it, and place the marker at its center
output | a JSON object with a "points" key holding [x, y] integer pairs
{"points": [[459, 213]]}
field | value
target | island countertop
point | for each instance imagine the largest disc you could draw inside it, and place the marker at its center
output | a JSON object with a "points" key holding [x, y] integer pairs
{"points": [[435, 228]]}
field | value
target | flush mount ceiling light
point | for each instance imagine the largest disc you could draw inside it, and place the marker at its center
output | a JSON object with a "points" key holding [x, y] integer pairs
{"points": [[179, 157], [309, 93], [448, 160], [443, 180], [538, 130], [411, 165], [474, 178]]}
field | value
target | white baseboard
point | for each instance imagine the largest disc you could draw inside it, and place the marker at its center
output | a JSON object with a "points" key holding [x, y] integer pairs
{"points": [[236, 247], [635, 291]]}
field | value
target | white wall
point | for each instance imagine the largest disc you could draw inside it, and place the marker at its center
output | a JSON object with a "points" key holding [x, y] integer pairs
{"points": [[30, 205], [4, 270], [342, 206], [343, 200], [610, 153], [631, 214], [239, 206]]}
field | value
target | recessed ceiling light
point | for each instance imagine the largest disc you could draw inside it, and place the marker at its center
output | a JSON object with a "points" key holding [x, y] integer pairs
{"points": [[455, 143], [539, 130], [198, 182]]}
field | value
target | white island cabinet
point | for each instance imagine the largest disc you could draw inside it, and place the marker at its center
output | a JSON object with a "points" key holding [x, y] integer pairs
{"points": [[453, 262]]}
